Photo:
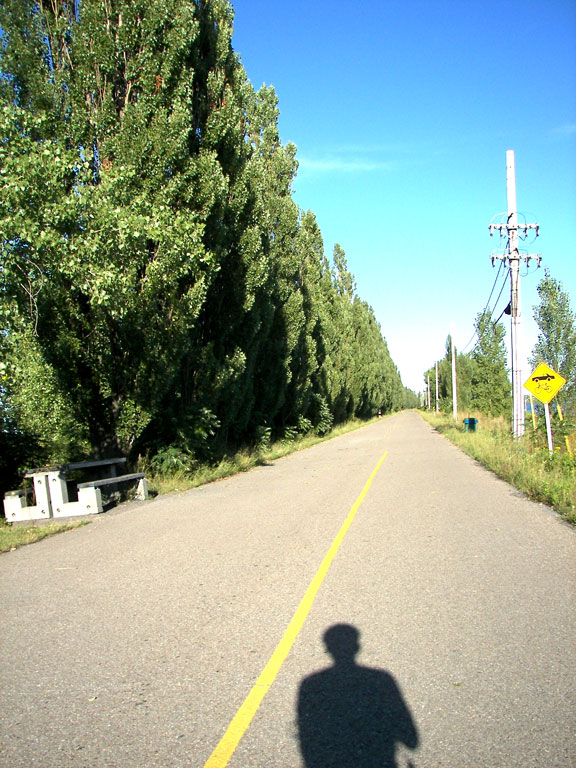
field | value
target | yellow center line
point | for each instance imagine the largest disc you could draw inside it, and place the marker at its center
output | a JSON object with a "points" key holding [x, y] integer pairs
{"points": [[242, 719]]}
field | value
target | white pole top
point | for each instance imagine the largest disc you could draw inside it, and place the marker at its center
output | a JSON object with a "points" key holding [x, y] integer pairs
{"points": [[511, 187]]}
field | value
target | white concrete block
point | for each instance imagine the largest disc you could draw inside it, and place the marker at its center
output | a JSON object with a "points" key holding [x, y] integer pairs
{"points": [[13, 505], [91, 500], [89, 503], [42, 495], [17, 509], [142, 489], [58, 490]]}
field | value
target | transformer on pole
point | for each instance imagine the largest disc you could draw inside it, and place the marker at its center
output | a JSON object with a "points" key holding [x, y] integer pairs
{"points": [[512, 257]]}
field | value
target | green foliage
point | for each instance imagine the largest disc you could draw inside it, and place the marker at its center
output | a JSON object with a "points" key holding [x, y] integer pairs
{"points": [[171, 460], [464, 371], [491, 388], [323, 419], [263, 437], [481, 376], [562, 430], [160, 291], [105, 205], [410, 399], [556, 344], [16, 448], [37, 404]]}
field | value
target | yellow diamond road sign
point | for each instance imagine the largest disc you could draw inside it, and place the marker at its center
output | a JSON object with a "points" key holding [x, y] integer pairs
{"points": [[544, 383]]}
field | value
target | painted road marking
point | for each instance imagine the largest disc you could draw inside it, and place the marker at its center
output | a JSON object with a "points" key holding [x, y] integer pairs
{"points": [[242, 719]]}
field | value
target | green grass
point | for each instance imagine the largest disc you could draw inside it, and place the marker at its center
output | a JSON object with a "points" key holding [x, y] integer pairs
{"points": [[181, 480], [523, 463], [13, 536]]}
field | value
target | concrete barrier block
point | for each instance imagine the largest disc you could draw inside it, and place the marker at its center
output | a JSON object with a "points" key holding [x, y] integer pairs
{"points": [[58, 491], [72, 509], [15, 509], [42, 495], [142, 489], [89, 503], [14, 504], [91, 500]]}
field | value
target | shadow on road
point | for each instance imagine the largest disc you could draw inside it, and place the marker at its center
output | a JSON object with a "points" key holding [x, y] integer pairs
{"points": [[351, 716]]}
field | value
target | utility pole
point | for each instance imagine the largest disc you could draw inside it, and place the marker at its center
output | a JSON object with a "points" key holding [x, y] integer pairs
{"points": [[437, 393], [454, 388], [511, 229]]}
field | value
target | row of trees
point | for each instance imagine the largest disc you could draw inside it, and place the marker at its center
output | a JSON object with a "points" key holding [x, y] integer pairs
{"points": [[483, 384], [482, 378], [158, 283]]}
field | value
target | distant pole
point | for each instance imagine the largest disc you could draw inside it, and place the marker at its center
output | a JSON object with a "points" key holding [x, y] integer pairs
{"points": [[513, 257], [454, 388], [437, 392], [429, 399]]}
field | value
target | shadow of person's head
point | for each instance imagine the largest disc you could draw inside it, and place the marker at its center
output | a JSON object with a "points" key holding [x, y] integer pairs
{"points": [[342, 642]]}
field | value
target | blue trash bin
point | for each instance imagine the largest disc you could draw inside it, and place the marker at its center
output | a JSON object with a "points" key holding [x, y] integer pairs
{"points": [[470, 424]]}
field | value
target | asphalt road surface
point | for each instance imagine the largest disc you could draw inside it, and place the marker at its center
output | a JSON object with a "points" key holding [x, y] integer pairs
{"points": [[442, 634]]}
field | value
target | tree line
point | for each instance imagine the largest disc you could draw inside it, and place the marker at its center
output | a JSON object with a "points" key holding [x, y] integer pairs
{"points": [[483, 384], [159, 285]]}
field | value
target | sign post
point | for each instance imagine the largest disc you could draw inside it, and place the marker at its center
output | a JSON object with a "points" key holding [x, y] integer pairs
{"points": [[545, 383], [549, 428]]}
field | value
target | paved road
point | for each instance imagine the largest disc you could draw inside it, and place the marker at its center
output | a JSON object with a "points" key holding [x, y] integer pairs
{"points": [[132, 642]]}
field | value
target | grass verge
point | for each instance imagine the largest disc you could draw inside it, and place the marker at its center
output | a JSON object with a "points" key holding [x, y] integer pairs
{"points": [[14, 536], [530, 468], [182, 480]]}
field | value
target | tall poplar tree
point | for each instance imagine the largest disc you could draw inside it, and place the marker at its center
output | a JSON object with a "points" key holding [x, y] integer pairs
{"points": [[491, 388], [272, 170], [123, 143], [158, 284], [556, 343]]}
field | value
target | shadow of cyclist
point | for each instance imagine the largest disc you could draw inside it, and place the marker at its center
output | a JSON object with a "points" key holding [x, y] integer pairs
{"points": [[351, 716]]}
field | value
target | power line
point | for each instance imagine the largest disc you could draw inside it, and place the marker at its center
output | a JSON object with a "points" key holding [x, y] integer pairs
{"points": [[486, 306], [462, 351], [501, 313], [493, 286], [500, 294]]}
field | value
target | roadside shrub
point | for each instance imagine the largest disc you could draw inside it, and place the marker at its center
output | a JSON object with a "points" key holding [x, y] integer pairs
{"points": [[173, 459]]}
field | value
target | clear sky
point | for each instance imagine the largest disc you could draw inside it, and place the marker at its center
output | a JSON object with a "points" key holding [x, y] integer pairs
{"points": [[402, 112]]}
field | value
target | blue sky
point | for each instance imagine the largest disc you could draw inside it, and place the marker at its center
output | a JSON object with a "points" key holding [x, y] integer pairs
{"points": [[402, 112]]}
